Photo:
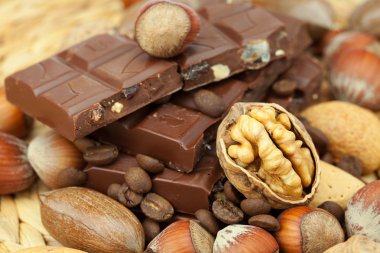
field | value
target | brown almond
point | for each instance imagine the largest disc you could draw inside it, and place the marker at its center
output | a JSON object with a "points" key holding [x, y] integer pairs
{"points": [[84, 219]]}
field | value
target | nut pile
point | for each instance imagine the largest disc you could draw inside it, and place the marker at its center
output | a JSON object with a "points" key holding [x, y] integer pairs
{"points": [[289, 180]]}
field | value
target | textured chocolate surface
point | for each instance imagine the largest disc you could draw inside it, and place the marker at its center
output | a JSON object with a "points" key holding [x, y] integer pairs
{"points": [[307, 73], [190, 192], [211, 50], [91, 85], [174, 134], [260, 34]]}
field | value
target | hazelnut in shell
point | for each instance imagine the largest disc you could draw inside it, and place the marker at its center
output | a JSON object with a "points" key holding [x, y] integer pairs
{"points": [[363, 212], [165, 28], [308, 230], [182, 236], [365, 18], [244, 239], [56, 160], [16, 174]]}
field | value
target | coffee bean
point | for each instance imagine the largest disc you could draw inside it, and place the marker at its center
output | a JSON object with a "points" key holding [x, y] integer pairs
{"points": [[149, 164], [284, 88], [138, 180], [113, 191], [253, 207], [128, 197], [351, 165], [156, 207], [83, 143], [231, 193], [101, 155], [320, 140], [151, 229], [334, 209], [207, 220], [227, 212], [265, 221], [209, 103]]}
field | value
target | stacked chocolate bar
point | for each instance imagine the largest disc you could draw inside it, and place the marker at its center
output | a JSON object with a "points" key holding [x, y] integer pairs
{"points": [[169, 110]]}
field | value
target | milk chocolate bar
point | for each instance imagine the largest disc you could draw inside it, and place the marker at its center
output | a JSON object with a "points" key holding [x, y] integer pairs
{"points": [[307, 73], [91, 85], [262, 37], [211, 57], [175, 133]]}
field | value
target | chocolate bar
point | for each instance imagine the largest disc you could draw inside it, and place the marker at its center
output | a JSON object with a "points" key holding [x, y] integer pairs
{"points": [[211, 57], [307, 73], [91, 85], [261, 36], [174, 133], [186, 192]]}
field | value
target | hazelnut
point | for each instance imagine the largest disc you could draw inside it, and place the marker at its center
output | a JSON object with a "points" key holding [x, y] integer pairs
{"points": [[16, 174], [182, 236], [308, 230], [56, 160], [12, 119], [363, 212], [244, 238], [365, 18], [165, 28]]}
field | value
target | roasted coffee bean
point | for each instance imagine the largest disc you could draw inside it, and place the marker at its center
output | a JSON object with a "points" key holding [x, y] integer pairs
{"points": [[334, 209], [328, 158], [253, 207], [101, 155], [151, 229], [231, 193], [227, 212], [113, 191], [320, 140], [207, 220], [83, 143], [156, 207], [265, 221], [351, 165], [138, 180], [149, 164], [128, 197], [284, 88], [209, 103]]}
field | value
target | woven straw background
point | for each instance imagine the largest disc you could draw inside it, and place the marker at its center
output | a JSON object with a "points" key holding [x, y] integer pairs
{"points": [[31, 30]]}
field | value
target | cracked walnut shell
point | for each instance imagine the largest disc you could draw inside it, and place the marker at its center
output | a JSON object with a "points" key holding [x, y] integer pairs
{"points": [[263, 148]]}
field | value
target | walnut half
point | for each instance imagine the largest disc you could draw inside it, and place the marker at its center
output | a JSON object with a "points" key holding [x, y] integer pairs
{"points": [[263, 148]]}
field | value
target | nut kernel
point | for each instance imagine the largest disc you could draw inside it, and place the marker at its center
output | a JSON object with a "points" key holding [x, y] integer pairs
{"points": [[220, 71]]}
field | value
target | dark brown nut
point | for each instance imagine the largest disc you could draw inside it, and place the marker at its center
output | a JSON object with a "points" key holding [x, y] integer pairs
{"points": [[207, 220], [334, 209], [284, 87], [138, 180], [227, 212], [231, 193], [156, 207], [101, 155], [351, 165], [265, 221], [113, 191], [83, 143], [328, 158], [151, 229], [253, 207], [149, 164], [128, 197], [71, 177], [209, 103]]}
